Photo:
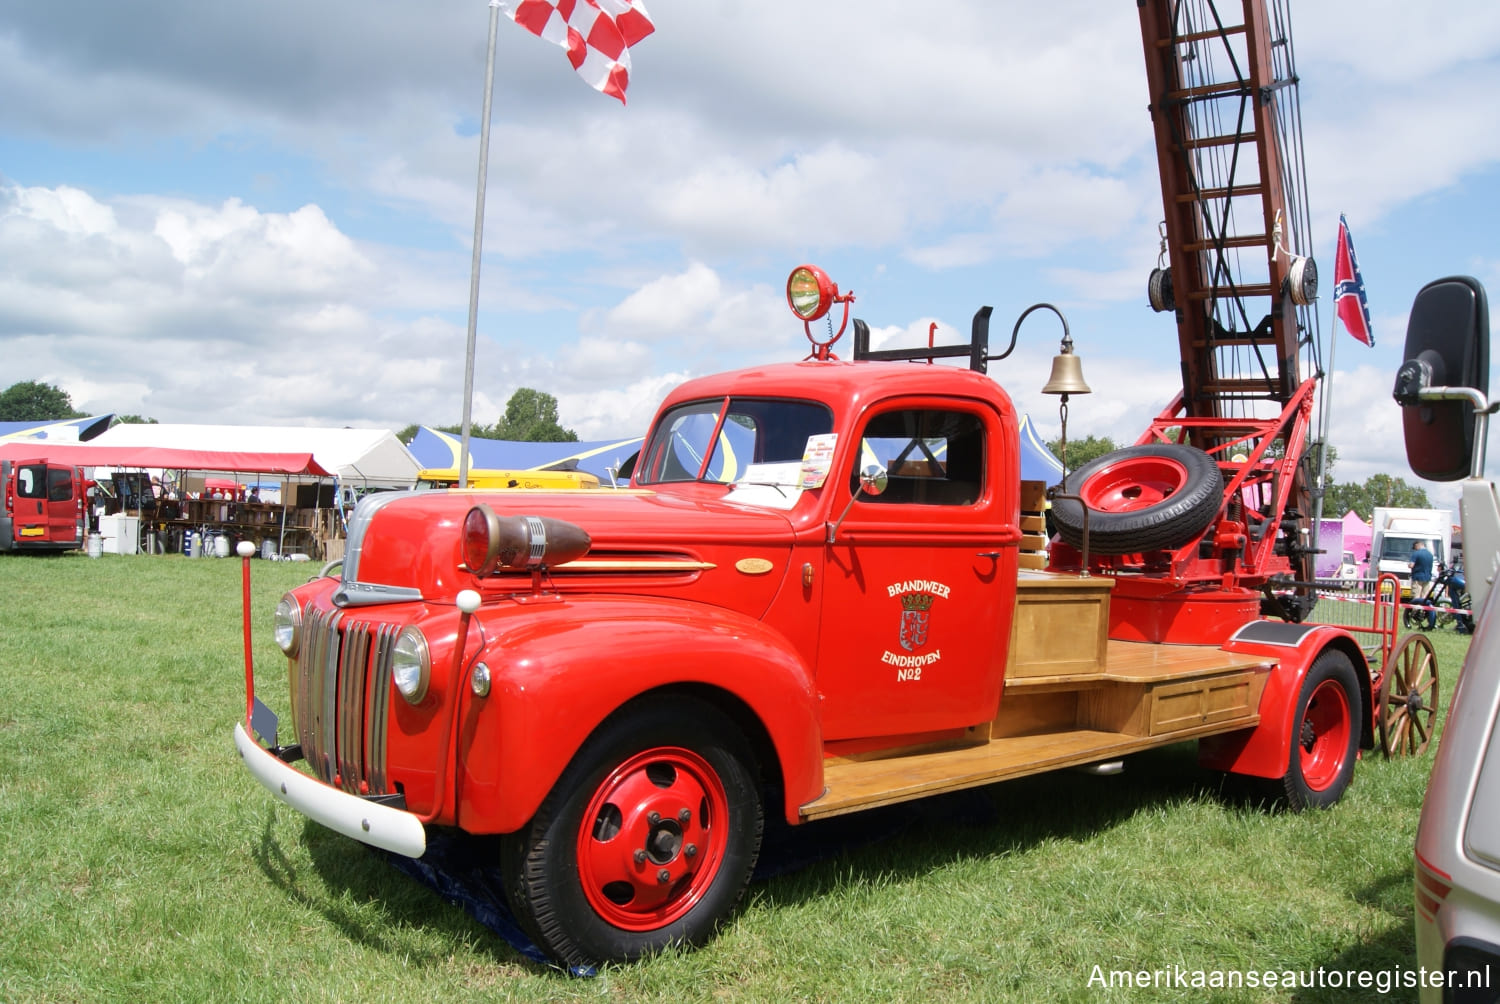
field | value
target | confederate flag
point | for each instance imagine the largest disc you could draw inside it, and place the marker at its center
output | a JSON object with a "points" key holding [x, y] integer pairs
{"points": [[1349, 289]]}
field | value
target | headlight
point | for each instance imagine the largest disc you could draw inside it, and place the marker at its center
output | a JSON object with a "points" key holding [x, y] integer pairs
{"points": [[411, 665], [288, 625]]}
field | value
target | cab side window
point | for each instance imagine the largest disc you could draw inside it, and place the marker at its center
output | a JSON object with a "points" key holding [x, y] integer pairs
{"points": [[932, 457]]}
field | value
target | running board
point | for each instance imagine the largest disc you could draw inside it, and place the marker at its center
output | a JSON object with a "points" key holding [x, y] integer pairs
{"points": [[852, 785]]}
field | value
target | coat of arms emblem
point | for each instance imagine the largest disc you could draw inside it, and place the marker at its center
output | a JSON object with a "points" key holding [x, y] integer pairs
{"points": [[916, 608]]}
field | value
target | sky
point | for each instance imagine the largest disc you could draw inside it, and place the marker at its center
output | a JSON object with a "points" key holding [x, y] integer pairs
{"points": [[264, 213]]}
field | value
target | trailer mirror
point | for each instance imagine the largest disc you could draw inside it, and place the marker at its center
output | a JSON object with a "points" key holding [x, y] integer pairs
{"points": [[1447, 345]]}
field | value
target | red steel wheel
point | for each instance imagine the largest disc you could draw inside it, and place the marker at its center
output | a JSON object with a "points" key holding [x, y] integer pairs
{"points": [[647, 840], [652, 838], [1409, 698], [1144, 482], [1324, 733]]}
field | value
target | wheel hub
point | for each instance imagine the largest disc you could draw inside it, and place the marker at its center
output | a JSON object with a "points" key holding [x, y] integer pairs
{"points": [[653, 838], [664, 842]]}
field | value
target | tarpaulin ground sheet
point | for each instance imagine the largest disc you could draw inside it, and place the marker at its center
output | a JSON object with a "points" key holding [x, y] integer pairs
{"points": [[461, 868]]}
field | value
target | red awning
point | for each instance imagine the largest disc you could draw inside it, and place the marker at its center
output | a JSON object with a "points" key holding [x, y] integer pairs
{"points": [[84, 455]]}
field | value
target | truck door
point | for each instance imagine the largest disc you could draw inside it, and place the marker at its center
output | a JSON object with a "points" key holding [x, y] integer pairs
{"points": [[62, 505], [919, 583], [30, 511]]}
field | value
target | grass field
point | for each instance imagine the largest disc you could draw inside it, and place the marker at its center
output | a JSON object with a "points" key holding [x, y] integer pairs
{"points": [[139, 862]]}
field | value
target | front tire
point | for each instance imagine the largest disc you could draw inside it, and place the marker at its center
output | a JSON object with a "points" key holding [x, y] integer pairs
{"points": [[647, 840], [1325, 734]]}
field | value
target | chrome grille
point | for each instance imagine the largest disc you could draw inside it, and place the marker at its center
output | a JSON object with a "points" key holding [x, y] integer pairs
{"points": [[343, 689]]}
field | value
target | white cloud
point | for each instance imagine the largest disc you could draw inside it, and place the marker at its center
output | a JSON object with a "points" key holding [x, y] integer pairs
{"points": [[279, 230]]}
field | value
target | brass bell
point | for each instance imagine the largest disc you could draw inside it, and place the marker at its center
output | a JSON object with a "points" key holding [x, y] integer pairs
{"points": [[1067, 373]]}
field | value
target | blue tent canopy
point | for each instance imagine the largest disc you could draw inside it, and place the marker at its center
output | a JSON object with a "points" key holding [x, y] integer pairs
{"points": [[1037, 462], [68, 430], [440, 450]]}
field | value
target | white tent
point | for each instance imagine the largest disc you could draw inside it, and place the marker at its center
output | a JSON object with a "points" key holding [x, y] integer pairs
{"points": [[372, 458]]}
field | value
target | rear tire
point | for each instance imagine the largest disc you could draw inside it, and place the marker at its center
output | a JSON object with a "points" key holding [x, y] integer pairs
{"points": [[647, 840], [1325, 734]]}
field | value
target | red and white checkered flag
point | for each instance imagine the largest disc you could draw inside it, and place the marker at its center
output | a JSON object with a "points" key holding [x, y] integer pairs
{"points": [[598, 35]]}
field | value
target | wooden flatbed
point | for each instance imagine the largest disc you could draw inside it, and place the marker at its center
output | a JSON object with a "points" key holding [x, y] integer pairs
{"points": [[1063, 706]]}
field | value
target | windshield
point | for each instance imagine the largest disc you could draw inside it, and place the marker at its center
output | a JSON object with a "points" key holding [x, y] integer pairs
{"points": [[1399, 548], [684, 446]]}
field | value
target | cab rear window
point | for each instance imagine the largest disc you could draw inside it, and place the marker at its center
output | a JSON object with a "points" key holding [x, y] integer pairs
{"points": [[932, 457]]}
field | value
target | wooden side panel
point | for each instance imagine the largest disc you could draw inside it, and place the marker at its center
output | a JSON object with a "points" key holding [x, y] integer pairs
{"points": [[1176, 706], [1028, 714], [1115, 707], [1033, 497], [1061, 627], [1156, 709], [1033, 525]]}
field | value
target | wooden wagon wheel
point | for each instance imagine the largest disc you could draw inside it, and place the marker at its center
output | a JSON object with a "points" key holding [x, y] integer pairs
{"points": [[1408, 698]]}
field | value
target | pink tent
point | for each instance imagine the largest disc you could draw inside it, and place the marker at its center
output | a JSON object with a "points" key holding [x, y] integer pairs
{"points": [[1357, 540]]}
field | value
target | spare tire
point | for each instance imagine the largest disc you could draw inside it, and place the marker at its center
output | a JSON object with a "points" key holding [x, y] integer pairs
{"points": [[1141, 498]]}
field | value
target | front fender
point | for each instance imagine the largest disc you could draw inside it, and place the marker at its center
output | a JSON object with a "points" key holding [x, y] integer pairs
{"points": [[559, 668], [1265, 751]]}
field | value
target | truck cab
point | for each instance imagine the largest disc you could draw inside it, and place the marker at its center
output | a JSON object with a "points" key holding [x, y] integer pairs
{"points": [[44, 506]]}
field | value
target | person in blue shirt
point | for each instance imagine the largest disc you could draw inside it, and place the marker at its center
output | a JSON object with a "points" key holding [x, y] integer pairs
{"points": [[1421, 579]]}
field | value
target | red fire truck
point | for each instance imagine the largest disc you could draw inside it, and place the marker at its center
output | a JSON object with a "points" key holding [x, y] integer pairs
{"points": [[826, 589], [45, 506]]}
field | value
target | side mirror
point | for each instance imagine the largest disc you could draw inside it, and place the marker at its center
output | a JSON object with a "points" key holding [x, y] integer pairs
{"points": [[1447, 347], [873, 481]]}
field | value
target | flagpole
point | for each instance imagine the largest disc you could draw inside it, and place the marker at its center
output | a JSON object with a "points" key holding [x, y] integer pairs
{"points": [[1325, 423], [484, 170]]}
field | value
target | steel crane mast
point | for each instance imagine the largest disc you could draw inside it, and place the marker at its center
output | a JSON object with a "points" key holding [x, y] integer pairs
{"points": [[1234, 269]]}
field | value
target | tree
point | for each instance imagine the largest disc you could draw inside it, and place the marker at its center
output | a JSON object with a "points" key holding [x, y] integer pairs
{"points": [[31, 401], [531, 417], [1378, 490], [407, 434], [134, 420], [1081, 451]]}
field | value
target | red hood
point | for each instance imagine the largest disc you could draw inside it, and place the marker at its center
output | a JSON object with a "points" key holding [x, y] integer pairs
{"points": [[684, 541]]}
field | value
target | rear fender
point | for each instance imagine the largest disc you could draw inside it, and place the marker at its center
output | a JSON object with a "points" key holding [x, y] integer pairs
{"points": [[1265, 750], [560, 669]]}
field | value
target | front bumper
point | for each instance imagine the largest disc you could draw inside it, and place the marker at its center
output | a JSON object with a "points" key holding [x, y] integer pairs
{"points": [[368, 822]]}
